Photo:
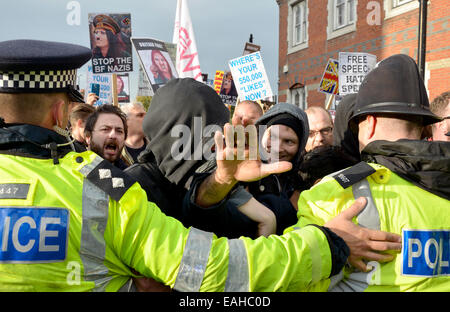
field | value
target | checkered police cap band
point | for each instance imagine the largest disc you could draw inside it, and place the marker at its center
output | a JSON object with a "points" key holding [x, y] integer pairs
{"points": [[37, 81]]}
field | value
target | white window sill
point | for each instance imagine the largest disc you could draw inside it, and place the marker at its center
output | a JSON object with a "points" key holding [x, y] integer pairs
{"points": [[341, 31], [391, 12], [298, 47]]}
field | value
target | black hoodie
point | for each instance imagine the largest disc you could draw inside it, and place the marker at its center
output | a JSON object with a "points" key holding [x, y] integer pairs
{"points": [[179, 111], [181, 105]]}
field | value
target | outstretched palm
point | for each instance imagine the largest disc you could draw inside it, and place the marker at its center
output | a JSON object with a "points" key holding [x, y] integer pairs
{"points": [[242, 162]]}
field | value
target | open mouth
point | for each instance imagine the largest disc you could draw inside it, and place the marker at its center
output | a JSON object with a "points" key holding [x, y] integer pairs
{"points": [[111, 149]]}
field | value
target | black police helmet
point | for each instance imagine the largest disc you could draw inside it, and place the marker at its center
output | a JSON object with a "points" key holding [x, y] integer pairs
{"points": [[394, 87]]}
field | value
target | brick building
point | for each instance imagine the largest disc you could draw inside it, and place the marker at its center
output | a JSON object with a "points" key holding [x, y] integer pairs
{"points": [[313, 31]]}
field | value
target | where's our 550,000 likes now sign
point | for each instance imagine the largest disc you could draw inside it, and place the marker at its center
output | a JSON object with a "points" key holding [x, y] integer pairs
{"points": [[250, 77]]}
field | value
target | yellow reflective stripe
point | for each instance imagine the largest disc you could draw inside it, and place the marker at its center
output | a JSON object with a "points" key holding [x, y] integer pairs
{"points": [[194, 260], [316, 257], [238, 276]]}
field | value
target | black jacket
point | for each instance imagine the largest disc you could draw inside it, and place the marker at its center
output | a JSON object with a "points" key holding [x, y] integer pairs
{"points": [[32, 141], [423, 163]]}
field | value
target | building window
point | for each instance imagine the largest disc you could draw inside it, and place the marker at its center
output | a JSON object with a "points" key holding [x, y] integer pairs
{"points": [[297, 25], [396, 7], [344, 13], [341, 17], [299, 21], [397, 3], [298, 96]]}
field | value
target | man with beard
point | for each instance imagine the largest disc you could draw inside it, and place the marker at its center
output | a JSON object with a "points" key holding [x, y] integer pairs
{"points": [[89, 224], [105, 132]]}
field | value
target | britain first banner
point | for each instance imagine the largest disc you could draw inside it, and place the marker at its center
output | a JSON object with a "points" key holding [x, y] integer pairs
{"points": [[250, 77], [330, 79]]}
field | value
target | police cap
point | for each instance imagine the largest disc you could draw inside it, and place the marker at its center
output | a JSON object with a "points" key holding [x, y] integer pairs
{"points": [[34, 66], [394, 87]]}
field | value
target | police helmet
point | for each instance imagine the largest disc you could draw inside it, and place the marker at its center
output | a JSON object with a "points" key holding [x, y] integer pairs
{"points": [[394, 87]]}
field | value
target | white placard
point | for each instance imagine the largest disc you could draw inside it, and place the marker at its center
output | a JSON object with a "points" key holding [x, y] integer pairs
{"points": [[250, 77], [105, 82], [353, 67]]}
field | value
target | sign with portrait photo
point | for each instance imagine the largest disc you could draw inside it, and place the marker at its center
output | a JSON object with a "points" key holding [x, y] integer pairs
{"points": [[110, 43], [155, 60], [123, 88], [228, 92]]}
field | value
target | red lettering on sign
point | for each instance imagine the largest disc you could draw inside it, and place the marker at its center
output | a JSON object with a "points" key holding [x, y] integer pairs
{"points": [[185, 43]]}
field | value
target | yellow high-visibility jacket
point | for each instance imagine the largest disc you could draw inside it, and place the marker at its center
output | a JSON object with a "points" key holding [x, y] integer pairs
{"points": [[82, 224], [394, 205]]}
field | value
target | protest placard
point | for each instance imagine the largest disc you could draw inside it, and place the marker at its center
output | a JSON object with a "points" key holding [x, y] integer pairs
{"points": [[110, 43], [218, 78], [250, 77], [155, 60], [103, 83], [330, 78], [353, 67], [123, 88], [228, 92]]}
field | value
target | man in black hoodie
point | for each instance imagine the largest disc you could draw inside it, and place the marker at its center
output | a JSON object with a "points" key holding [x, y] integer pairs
{"points": [[174, 125], [406, 181], [180, 125]]}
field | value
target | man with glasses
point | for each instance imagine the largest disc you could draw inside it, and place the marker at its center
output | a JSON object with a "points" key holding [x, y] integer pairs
{"points": [[441, 107], [105, 131], [320, 128]]}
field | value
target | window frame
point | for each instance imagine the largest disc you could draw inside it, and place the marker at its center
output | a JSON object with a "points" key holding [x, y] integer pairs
{"points": [[293, 44], [302, 93], [392, 8], [335, 30], [397, 3]]}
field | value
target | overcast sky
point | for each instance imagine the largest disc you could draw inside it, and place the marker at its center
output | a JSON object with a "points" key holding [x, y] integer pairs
{"points": [[221, 27]]}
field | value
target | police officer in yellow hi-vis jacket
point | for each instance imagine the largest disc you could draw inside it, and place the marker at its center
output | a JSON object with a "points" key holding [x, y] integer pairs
{"points": [[73, 222], [406, 181]]}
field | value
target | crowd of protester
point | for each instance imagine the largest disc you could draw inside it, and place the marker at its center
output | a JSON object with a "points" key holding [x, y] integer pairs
{"points": [[301, 173]]}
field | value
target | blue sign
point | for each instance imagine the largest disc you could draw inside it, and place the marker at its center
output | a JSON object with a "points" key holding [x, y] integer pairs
{"points": [[426, 253], [33, 234]]}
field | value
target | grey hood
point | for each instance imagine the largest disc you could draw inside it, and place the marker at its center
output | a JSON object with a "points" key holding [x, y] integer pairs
{"points": [[286, 108]]}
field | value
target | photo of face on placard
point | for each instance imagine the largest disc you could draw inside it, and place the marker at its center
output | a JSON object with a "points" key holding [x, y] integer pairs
{"points": [[123, 89], [110, 43], [156, 61], [228, 91]]}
